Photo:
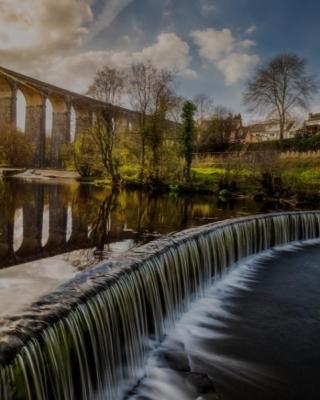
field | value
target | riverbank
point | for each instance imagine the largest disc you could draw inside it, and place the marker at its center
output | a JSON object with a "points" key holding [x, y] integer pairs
{"points": [[38, 174], [225, 184]]}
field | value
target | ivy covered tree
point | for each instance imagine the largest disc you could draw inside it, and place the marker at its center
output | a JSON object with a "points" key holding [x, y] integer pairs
{"points": [[188, 135]]}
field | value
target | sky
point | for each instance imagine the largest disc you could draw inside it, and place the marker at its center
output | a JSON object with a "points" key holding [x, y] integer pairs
{"points": [[214, 45]]}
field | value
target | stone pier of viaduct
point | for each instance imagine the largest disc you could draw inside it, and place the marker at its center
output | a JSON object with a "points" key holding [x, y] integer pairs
{"points": [[36, 94]]}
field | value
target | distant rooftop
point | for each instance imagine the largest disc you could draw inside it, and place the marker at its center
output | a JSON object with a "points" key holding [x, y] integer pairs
{"points": [[314, 117]]}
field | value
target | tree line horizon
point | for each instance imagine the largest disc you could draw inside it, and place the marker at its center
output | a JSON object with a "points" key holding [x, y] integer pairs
{"points": [[153, 153]]}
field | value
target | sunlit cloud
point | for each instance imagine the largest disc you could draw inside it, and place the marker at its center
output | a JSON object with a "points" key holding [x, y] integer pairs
{"points": [[168, 51], [225, 52]]}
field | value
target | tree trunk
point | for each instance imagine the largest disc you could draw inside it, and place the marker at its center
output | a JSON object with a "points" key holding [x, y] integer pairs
{"points": [[142, 161], [187, 169], [115, 176], [282, 129]]}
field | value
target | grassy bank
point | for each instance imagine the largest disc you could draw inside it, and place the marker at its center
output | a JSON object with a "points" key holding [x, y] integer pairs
{"points": [[297, 182], [290, 175]]}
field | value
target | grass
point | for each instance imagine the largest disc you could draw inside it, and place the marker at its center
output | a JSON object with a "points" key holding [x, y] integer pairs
{"points": [[303, 169], [307, 176], [211, 172], [207, 172], [207, 179]]}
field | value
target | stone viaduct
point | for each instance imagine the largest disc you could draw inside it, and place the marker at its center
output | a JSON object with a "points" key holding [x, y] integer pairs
{"points": [[36, 94]]}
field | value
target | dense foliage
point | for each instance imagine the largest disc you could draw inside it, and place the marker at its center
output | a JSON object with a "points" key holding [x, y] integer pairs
{"points": [[15, 148]]}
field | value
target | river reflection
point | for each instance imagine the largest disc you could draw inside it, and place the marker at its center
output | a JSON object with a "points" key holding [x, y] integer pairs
{"points": [[43, 220]]}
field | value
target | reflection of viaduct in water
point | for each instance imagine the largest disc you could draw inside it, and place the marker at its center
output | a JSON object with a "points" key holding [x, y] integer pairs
{"points": [[37, 95], [41, 220], [47, 223]]}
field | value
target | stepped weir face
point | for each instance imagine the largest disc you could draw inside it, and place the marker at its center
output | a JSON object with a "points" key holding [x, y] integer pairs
{"points": [[89, 339]]}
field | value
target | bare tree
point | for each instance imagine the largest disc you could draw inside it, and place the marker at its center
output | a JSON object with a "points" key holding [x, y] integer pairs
{"points": [[140, 91], [109, 86], [163, 101], [217, 130], [150, 91], [280, 86], [204, 106], [176, 109], [84, 155], [104, 133]]}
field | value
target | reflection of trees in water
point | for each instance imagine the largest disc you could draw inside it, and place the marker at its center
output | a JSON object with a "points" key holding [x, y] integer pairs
{"points": [[154, 214], [135, 215], [101, 228], [7, 211], [99, 218], [153, 208]]}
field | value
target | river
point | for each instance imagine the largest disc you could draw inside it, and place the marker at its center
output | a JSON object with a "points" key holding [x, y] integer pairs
{"points": [[50, 231]]}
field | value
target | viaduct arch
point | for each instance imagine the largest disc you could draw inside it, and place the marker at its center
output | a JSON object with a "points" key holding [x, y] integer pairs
{"points": [[64, 103]]}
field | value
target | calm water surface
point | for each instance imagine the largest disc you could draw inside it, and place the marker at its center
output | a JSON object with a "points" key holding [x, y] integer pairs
{"points": [[49, 232]]}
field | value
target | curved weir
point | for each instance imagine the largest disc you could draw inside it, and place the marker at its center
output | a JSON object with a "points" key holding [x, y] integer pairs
{"points": [[89, 339]]}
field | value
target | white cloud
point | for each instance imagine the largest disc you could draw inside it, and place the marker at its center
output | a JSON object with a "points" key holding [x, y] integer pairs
{"points": [[235, 66], [213, 44], [55, 25], [246, 44], [227, 53], [33, 34], [37, 35], [76, 71], [169, 51], [207, 7], [45, 39], [189, 73], [251, 30]]}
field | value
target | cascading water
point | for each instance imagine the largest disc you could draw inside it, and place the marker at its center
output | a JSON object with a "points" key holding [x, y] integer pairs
{"points": [[89, 340]]}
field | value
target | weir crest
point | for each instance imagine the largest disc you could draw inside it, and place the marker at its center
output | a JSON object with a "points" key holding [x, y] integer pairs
{"points": [[89, 339]]}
